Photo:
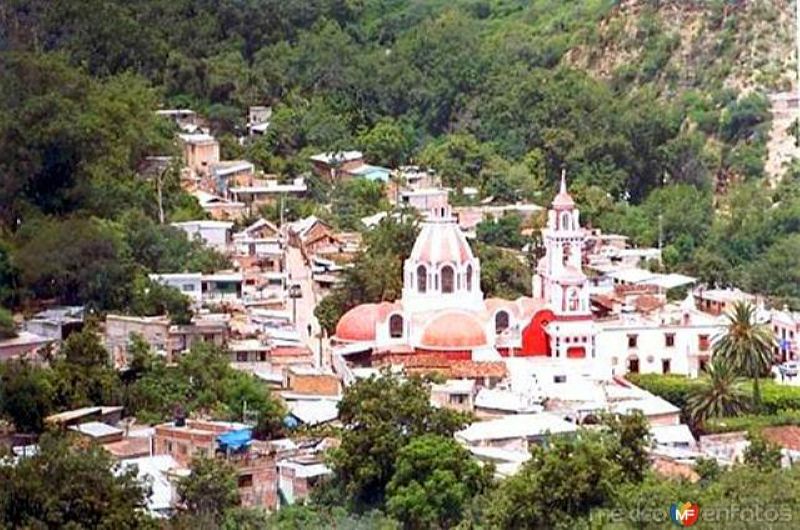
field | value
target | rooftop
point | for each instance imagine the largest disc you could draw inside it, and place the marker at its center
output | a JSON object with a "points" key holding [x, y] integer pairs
{"points": [[515, 426], [339, 157], [96, 429]]}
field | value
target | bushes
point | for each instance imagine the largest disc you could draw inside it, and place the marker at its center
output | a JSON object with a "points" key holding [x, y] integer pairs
{"points": [[781, 403], [751, 422], [673, 388]]}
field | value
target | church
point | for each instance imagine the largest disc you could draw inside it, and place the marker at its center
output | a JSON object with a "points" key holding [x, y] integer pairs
{"points": [[442, 313]]}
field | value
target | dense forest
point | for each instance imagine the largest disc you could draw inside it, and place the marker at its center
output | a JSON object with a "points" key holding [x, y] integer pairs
{"points": [[497, 94]]}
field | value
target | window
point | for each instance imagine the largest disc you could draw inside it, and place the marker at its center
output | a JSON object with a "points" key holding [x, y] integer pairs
{"points": [[633, 365], [246, 481], [665, 366], [169, 447], [559, 378], [447, 279], [182, 449], [574, 301], [702, 342], [669, 340], [633, 340], [458, 399], [395, 326], [187, 287], [500, 322], [566, 251], [565, 225], [469, 277], [241, 356], [422, 279], [262, 356]]}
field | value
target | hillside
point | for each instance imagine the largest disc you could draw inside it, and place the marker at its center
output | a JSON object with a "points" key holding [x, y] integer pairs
{"points": [[656, 110], [683, 45]]}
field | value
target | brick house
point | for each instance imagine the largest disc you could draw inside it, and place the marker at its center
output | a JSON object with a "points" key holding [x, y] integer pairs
{"points": [[255, 462]]}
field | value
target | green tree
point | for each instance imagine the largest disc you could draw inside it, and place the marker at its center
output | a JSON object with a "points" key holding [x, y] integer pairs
{"points": [[720, 394], [151, 298], [78, 261], [559, 484], [630, 434], [355, 199], [434, 479], [70, 486], [746, 345], [210, 490], [502, 232], [8, 328], [82, 374], [762, 454], [26, 395], [388, 143], [503, 274], [381, 416]]}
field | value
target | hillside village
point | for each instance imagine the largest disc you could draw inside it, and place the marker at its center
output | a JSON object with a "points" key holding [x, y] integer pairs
{"points": [[487, 265]]}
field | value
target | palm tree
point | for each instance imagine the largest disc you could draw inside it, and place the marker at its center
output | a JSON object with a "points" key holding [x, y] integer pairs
{"points": [[720, 394], [746, 345]]}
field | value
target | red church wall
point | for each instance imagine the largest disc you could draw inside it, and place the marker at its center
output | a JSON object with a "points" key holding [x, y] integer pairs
{"points": [[534, 339], [576, 352]]}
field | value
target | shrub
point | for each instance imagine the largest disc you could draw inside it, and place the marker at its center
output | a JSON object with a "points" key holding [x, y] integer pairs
{"points": [[751, 422], [673, 388]]}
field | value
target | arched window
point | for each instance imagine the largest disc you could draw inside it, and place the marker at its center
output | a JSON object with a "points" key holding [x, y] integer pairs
{"points": [[565, 224], [500, 322], [395, 326], [469, 277], [422, 279], [448, 283], [567, 250]]}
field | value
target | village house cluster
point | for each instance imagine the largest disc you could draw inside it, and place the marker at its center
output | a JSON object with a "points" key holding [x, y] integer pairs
{"points": [[526, 368]]}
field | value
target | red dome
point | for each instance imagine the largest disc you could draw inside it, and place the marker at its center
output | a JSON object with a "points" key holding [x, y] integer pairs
{"points": [[454, 330], [358, 324]]}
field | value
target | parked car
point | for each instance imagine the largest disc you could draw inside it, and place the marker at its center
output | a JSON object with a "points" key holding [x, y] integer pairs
{"points": [[790, 368]]}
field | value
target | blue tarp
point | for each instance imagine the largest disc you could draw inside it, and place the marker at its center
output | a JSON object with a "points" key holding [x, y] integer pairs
{"points": [[236, 439]]}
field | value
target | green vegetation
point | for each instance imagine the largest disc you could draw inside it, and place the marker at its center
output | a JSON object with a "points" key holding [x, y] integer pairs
{"points": [[498, 95], [69, 486]]}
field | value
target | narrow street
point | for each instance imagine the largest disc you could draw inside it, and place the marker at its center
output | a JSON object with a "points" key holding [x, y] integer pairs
{"points": [[300, 273]]}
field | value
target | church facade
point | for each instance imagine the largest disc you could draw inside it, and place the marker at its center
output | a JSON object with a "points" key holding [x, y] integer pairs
{"points": [[442, 312]]}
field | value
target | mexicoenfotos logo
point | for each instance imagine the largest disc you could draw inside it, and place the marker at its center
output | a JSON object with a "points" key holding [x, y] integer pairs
{"points": [[684, 514]]}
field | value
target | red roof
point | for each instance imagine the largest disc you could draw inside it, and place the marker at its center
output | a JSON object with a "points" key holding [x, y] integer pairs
{"points": [[787, 437], [358, 324], [454, 330], [475, 369]]}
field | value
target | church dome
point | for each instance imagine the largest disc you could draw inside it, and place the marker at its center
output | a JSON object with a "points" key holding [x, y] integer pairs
{"points": [[454, 330], [358, 324], [441, 242]]}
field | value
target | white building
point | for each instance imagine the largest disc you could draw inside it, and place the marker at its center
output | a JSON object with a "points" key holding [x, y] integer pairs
{"points": [[204, 288], [214, 234], [673, 339]]}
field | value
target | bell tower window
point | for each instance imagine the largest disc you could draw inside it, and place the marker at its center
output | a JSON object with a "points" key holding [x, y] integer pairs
{"points": [[447, 279], [500, 322], [565, 221], [422, 279], [469, 277], [574, 301]]}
